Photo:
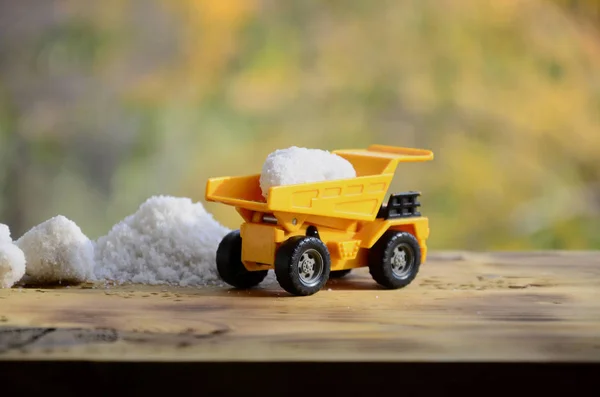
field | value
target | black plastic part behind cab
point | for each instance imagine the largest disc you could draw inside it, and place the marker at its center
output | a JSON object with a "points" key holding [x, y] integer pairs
{"points": [[290, 258], [395, 259], [401, 205], [230, 266]]}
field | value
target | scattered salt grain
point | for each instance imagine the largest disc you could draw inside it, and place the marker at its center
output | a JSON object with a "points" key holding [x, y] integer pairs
{"points": [[12, 260], [301, 165], [57, 251], [169, 240]]}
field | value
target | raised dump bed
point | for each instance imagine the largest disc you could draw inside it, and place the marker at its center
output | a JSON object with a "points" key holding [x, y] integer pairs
{"points": [[357, 198]]}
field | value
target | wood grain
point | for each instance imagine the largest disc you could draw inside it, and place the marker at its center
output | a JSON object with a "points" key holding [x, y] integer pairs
{"points": [[464, 306]]}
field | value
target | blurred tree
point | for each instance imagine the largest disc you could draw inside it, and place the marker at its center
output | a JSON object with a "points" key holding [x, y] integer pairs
{"points": [[63, 113], [506, 93], [587, 10], [105, 103]]}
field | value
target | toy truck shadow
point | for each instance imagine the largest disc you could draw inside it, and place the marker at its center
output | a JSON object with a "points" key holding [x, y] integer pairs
{"points": [[310, 233]]}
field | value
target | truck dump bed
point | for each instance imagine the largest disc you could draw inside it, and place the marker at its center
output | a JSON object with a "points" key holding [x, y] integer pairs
{"points": [[357, 198]]}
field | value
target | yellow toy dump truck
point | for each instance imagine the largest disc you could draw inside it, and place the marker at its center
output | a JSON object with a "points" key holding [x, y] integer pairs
{"points": [[310, 232]]}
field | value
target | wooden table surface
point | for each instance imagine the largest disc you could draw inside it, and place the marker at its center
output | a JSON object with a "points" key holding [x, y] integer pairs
{"points": [[462, 307]]}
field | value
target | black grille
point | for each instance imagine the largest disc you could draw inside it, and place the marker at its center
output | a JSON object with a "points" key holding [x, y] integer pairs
{"points": [[401, 205]]}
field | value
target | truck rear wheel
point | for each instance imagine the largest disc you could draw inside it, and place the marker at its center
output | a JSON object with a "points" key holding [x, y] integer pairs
{"points": [[395, 259], [302, 265], [230, 266]]}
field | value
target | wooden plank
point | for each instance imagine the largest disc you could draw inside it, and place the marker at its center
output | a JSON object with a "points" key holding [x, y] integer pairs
{"points": [[464, 306]]}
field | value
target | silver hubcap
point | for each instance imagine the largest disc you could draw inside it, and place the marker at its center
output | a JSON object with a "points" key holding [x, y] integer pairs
{"points": [[402, 261], [310, 268]]}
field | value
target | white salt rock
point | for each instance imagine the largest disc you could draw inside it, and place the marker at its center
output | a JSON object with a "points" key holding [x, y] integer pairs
{"points": [[12, 260], [297, 165], [169, 240], [57, 251], [5, 234], [12, 264]]}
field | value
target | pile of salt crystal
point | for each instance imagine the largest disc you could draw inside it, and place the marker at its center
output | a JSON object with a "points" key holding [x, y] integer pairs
{"points": [[169, 240]]}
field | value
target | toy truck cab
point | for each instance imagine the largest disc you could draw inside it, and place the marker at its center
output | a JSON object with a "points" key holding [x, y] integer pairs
{"points": [[310, 232]]}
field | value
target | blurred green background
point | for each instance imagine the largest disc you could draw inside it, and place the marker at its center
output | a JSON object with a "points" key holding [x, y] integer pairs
{"points": [[106, 103]]}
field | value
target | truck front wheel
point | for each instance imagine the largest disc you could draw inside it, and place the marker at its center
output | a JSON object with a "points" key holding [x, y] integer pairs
{"points": [[230, 266], [302, 265], [395, 259]]}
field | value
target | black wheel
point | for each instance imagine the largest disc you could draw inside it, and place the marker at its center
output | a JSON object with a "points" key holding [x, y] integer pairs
{"points": [[230, 266], [340, 273], [302, 265], [395, 259]]}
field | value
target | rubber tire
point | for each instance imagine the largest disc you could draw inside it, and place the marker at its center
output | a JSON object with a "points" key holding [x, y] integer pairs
{"points": [[340, 273], [380, 264], [286, 265], [230, 266]]}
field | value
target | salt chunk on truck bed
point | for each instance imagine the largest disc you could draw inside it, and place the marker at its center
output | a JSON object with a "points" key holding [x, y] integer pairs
{"points": [[297, 165]]}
